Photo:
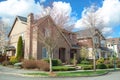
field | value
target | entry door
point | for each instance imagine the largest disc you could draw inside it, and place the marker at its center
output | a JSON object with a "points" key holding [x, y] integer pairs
{"points": [[62, 54]]}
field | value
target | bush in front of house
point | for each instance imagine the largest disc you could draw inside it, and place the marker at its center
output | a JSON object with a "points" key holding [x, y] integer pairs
{"points": [[5, 63], [42, 65], [118, 65], [36, 64], [101, 66], [87, 67], [85, 62], [110, 66], [62, 68], [29, 64], [13, 60], [55, 62], [100, 61]]}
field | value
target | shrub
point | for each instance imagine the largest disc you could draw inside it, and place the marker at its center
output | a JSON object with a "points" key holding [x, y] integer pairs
{"points": [[72, 61], [42, 65], [101, 66], [118, 65], [85, 62], [63, 68], [107, 62], [118, 61], [29, 64], [13, 60], [5, 63], [35, 64], [87, 67], [55, 62], [100, 61], [110, 66]]}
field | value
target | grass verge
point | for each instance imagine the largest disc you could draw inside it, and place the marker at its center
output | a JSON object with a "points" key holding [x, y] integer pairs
{"points": [[70, 74]]}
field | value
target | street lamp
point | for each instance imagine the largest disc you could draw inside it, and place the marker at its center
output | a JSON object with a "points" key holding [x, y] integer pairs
{"points": [[114, 56]]}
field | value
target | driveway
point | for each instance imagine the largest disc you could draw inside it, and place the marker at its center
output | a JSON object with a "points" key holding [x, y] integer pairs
{"points": [[10, 74]]}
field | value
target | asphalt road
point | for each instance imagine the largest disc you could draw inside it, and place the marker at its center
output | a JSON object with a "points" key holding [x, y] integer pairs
{"points": [[10, 74]]}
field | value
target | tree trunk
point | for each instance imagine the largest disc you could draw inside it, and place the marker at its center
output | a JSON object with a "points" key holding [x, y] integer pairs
{"points": [[94, 62], [50, 60]]}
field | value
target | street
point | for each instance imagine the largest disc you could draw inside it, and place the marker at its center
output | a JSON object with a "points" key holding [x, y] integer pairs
{"points": [[11, 74]]}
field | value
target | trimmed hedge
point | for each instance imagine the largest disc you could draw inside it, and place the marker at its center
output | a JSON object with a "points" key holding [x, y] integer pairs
{"points": [[87, 67], [62, 68], [55, 62], [85, 62], [110, 66], [101, 66]]}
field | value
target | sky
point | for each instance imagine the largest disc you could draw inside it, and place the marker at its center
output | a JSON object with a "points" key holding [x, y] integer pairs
{"points": [[109, 10]]}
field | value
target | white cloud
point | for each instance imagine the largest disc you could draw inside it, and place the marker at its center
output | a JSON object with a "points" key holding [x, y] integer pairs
{"points": [[110, 13], [10, 8], [18, 7]]}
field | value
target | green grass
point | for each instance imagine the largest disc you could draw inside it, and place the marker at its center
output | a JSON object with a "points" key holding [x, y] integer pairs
{"points": [[62, 68], [70, 74], [37, 74], [84, 73]]}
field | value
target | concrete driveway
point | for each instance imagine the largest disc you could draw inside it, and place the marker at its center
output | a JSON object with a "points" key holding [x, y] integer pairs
{"points": [[10, 74]]}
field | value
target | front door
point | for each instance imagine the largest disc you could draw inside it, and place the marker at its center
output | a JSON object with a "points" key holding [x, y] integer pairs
{"points": [[62, 54]]}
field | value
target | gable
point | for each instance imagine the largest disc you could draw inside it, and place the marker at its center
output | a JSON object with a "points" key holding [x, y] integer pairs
{"points": [[44, 20], [17, 28]]}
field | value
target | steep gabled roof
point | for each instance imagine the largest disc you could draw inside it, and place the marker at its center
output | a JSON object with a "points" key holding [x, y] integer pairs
{"points": [[41, 20], [22, 19], [88, 33]]}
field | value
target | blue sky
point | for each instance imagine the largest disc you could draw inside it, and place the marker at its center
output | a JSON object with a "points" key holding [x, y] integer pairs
{"points": [[108, 9]]}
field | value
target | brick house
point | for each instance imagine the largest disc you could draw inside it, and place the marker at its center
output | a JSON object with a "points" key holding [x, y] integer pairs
{"points": [[92, 38], [35, 49]]}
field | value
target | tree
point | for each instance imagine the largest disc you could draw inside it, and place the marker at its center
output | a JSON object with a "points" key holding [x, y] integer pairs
{"points": [[84, 53], [92, 20], [3, 38], [19, 48]]}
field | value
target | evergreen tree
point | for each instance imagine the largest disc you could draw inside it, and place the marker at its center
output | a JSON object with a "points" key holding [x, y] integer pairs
{"points": [[19, 48]]}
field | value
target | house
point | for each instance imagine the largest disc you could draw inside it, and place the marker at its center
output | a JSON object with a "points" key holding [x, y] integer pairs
{"points": [[93, 39], [33, 48], [113, 44]]}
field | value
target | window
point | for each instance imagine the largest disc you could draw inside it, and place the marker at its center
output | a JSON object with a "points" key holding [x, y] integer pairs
{"points": [[44, 53], [22, 36], [95, 39], [47, 32]]}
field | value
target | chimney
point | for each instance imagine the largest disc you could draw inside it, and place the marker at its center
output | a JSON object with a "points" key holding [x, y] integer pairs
{"points": [[30, 18]]}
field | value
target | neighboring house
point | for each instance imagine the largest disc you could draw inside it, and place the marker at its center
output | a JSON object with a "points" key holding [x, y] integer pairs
{"points": [[33, 48], [92, 39], [113, 44]]}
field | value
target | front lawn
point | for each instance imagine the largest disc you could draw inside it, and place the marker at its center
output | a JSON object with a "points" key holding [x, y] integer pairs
{"points": [[63, 68], [83, 73], [70, 74]]}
